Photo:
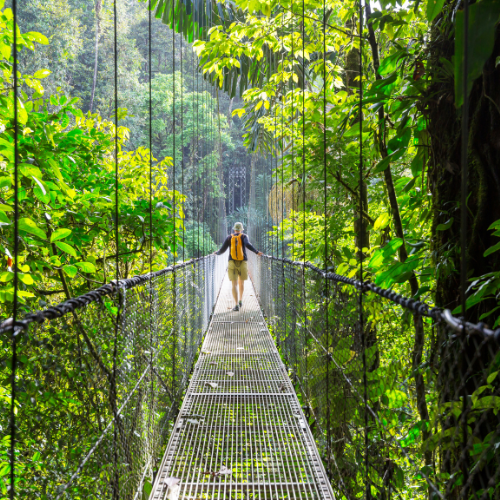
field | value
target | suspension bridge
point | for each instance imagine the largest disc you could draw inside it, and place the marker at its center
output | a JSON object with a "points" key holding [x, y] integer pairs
{"points": [[273, 401], [322, 386]]}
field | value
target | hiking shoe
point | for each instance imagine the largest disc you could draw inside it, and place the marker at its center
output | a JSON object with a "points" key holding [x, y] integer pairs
{"points": [[241, 303], [236, 308]]}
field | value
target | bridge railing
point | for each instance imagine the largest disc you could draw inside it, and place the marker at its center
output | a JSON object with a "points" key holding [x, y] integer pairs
{"points": [[403, 399], [99, 380]]}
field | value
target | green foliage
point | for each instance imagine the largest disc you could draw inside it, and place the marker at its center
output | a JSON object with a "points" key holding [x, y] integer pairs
{"points": [[483, 18], [197, 240], [67, 192]]}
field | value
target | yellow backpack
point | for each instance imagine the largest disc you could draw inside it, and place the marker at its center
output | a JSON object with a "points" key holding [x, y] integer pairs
{"points": [[237, 247]]}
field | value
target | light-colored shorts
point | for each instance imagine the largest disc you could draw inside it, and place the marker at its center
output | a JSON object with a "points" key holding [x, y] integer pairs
{"points": [[237, 269]]}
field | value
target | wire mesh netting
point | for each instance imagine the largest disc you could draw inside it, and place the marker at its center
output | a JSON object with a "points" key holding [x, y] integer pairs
{"points": [[109, 377], [403, 400], [241, 433]]}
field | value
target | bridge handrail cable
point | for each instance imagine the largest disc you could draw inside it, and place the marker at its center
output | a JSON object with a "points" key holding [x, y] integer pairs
{"points": [[416, 306]]}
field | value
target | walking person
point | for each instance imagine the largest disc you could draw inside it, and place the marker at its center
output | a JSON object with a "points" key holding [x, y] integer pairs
{"points": [[237, 268]]}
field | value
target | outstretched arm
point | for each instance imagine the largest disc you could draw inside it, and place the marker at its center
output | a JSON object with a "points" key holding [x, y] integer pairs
{"points": [[251, 247], [223, 248]]}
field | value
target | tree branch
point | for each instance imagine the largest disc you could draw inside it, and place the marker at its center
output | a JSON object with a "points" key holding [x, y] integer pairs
{"points": [[363, 213], [48, 292]]}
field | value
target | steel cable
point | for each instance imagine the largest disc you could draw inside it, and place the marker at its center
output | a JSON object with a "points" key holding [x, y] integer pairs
{"points": [[15, 304], [113, 388]]}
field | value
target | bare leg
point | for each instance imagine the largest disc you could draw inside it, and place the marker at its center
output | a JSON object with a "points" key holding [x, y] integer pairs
{"points": [[242, 287], [235, 291]]}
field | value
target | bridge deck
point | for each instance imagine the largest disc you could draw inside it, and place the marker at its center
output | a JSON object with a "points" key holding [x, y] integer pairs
{"points": [[241, 432]]}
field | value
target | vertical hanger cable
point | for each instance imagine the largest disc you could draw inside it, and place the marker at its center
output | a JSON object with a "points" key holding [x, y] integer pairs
{"points": [[150, 90], [116, 486], [465, 136], [174, 209], [293, 140], [174, 117], [463, 229], [303, 132], [325, 257], [360, 250], [15, 304], [197, 159], [182, 137], [283, 94], [282, 142]]}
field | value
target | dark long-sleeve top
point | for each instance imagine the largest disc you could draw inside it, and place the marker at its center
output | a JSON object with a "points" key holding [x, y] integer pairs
{"points": [[246, 244]]}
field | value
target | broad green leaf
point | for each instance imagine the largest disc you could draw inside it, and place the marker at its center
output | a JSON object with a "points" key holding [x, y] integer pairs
{"points": [[22, 115], [36, 37], [384, 86], [86, 267], [434, 7], [445, 226], [401, 140], [480, 295], [382, 221], [60, 234], [483, 18], [26, 224], [240, 112], [26, 279], [388, 65], [397, 273], [382, 165], [70, 270], [492, 249], [44, 198], [66, 248], [40, 184], [494, 225], [491, 377], [6, 276], [354, 132], [382, 255], [42, 73], [488, 402], [417, 163], [489, 313]]}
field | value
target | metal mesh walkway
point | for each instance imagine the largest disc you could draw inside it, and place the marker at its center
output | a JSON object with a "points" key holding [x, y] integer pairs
{"points": [[241, 432]]}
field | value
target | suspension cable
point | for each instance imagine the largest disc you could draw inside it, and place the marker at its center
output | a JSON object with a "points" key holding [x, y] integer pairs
{"points": [[182, 140], [325, 257], [282, 171], [150, 110], [463, 226], [174, 209], [151, 325], [114, 396], [360, 250], [464, 183], [303, 133], [15, 305]]}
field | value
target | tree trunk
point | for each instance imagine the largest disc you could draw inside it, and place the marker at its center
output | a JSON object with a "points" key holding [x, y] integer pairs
{"points": [[419, 339], [483, 168], [482, 209]]}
